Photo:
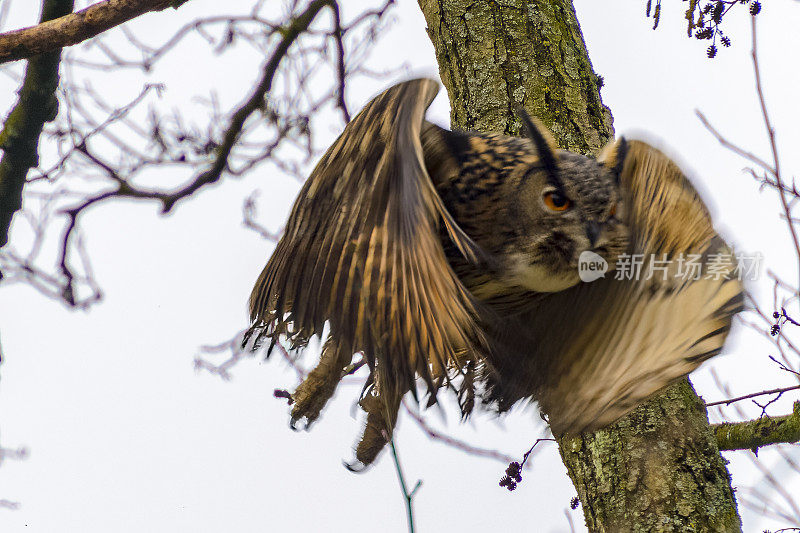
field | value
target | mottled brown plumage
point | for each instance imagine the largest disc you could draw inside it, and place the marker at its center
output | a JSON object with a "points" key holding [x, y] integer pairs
{"points": [[453, 257]]}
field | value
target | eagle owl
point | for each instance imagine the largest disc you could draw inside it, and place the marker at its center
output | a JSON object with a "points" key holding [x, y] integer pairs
{"points": [[453, 258]]}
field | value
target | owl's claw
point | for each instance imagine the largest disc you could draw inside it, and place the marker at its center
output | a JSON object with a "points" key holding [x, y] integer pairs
{"points": [[356, 466], [304, 424]]}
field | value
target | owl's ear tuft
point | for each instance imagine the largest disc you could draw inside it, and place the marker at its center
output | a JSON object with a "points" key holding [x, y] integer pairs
{"points": [[613, 156], [544, 141]]}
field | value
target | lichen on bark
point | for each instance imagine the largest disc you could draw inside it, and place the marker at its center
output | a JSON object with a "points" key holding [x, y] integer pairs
{"points": [[753, 434], [658, 468]]}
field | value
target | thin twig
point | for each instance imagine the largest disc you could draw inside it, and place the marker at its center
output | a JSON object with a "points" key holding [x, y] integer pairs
{"points": [[773, 144], [732, 147], [255, 102], [407, 496], [456, 443], [340, 71], [528, 453], [168, 200], [753, 395], [569, 520]]}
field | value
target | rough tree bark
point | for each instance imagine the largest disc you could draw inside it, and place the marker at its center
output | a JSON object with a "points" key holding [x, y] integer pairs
{"points": [[659, 468]]}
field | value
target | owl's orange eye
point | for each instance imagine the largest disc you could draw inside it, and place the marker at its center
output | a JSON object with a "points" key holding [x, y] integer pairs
{"points": [[555, 201]]}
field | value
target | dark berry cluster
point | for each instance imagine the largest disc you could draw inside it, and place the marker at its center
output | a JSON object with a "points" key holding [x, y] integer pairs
{"points": [[781, 319], [514, 471], [574, 503], [705, 19], [512, 477]]}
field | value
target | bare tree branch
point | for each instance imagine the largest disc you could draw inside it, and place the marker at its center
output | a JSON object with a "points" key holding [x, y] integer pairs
{"points": [[340, 71], [101, 143], [255, 102], [753, 434], [212, 174], [19, 139], [73, 28]]}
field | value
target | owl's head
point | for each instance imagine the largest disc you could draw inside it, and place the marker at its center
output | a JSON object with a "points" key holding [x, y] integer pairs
{"points": [[534, 209], [562, 205]]}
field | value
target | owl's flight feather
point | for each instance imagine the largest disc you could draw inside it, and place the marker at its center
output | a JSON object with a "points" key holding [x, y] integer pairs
{"points": [[389, 244], [362, 251]]}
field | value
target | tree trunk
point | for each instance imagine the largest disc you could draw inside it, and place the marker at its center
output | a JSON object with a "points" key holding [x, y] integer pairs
{"points": [[658, 468], [496, 56]]}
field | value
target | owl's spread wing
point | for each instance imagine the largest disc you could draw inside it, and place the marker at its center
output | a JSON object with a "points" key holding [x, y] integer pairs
{"points": [[362, 251], [596, 351]]}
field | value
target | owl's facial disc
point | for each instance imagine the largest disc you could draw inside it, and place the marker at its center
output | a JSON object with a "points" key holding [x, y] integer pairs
{"points": [[547, 267], [559, 220]]}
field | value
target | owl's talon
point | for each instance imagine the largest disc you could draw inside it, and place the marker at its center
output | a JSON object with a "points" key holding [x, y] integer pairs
{"points": [[356, 466], [303, 426]]}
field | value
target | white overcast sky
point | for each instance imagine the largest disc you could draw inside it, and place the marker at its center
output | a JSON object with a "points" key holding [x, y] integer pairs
{"points": [[123, 435]]}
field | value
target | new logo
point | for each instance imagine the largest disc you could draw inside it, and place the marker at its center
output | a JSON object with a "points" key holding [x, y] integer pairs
{"points": [[591, 266]]}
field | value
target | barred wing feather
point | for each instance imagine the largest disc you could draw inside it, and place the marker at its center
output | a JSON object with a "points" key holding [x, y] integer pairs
{"points": [[362, 251]]}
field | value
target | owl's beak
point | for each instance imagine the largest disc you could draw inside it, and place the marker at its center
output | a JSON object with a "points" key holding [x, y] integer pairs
{"points": [[593, 230]]}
